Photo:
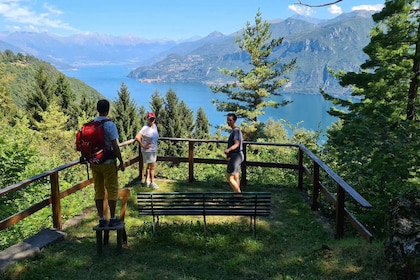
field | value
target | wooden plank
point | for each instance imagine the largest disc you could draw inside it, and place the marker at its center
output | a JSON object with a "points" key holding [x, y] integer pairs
{"points": [[199, 204]]}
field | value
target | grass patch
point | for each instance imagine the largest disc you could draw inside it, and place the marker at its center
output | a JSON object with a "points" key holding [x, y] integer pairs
{"points": [[291, 244]]}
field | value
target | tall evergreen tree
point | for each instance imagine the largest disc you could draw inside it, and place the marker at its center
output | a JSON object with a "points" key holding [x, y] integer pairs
{"points": [[157, 106], [375, 145], [175, 120], [64, 93], [87, 107], [253, 89], [41, 97], [173, 117], [66, 100], [186, 120], [125, 114], [56, 138], [201, 126]]}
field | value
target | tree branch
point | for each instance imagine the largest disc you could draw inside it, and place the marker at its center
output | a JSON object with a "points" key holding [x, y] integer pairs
{"points": [[317, 6]]}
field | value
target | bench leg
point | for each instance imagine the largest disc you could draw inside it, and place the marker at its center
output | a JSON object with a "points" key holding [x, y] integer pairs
{"points": [[255, 226], [205, 226], [125, 241], [106, 237], [119, 239], [99, 241]]}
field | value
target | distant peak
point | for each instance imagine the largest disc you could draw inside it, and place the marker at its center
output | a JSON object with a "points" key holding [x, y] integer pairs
{"points": [[215, 34], [306, 19]]}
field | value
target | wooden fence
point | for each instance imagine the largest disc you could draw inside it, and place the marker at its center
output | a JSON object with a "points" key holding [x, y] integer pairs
{"points": [[313, 171]]}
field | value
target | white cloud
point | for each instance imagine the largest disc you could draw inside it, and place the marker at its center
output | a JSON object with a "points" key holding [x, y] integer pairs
{"points": [[372, 8], [16, 12], [301, 10], [52, 9], [335, 10]]}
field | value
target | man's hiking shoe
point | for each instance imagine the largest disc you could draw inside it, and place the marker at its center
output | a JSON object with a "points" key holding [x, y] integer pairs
{"points": [[114, 222], [154, 186], [102, 223]]}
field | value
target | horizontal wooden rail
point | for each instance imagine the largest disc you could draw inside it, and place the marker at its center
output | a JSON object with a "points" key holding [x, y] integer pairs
{"points": [[338, 200]]}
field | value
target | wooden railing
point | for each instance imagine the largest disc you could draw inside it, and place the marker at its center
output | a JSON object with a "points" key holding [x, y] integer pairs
{"points": [[303, 154]]}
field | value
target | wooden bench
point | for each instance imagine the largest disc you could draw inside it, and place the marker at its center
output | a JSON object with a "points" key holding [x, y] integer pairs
{"points": [[102, 233], [250, 204]]}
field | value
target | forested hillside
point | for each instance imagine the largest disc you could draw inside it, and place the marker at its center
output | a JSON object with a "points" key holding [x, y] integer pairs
{"points": [[18, 76], [335, 44]]}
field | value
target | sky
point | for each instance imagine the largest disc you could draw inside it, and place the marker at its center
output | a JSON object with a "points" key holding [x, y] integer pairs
{"points": [[160, 19]]}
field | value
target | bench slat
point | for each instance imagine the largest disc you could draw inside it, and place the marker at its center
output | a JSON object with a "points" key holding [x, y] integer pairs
{"points": [[208, 203], [250, 204]]}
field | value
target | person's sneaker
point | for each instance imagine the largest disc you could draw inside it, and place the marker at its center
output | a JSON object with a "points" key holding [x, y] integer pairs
{"points": [[102, 222], [147, 184], [154, 186], [113, 222]]}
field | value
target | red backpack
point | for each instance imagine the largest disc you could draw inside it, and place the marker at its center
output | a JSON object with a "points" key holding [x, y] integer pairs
{"points": [[90, 141]]}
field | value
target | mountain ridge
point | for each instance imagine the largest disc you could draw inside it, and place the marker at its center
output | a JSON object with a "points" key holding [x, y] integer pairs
{"points": [[317, 44], [335, 44]]}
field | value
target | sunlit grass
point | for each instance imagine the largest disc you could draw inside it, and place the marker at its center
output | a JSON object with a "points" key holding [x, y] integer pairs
{"points": [[290, 244]]}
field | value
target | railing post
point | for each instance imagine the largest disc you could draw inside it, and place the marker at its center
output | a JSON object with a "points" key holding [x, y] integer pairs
{"points": [[300, 170], [190, 161], [340, 212], [55, 200], [243, 167], [316, 188]]}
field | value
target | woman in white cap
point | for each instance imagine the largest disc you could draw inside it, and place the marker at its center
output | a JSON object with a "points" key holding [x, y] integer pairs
{"points": [[148, 139]]}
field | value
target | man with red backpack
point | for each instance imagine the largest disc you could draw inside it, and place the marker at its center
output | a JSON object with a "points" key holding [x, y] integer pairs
{"points": [[104, 172]]}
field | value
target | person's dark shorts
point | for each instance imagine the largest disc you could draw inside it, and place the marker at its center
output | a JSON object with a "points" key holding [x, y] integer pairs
{"points": [[234, 163]]}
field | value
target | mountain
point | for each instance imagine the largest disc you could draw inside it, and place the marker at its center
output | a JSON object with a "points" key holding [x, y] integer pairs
{"points": [[317, 44], [84, 49]]}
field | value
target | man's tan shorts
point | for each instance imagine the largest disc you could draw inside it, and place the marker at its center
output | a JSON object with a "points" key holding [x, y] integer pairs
{"points": [[105, 178]]}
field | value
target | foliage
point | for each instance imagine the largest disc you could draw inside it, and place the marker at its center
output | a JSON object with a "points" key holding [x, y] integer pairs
{"points": [[87, 108], [41, 96], [174, 119], [252, 91], [201, 126], [375, 147], [125, 114], [21, 70], [8, 109], [66, 100], [16, 152]]}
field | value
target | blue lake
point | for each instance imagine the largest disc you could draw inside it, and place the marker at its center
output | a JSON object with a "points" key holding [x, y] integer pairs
{"points": [[308, 111]]}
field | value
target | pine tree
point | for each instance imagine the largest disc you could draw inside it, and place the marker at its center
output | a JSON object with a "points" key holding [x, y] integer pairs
{"points": [[186, 120], [87, 107], [125, 114], [253, 90], [201, 126], [157, 106], [41, 97], [375, 145], [64, 93], [174, 120], [66, 100]]}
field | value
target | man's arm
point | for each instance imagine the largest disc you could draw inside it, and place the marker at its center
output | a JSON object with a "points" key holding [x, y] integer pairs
{"points": [[117, 153]]}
